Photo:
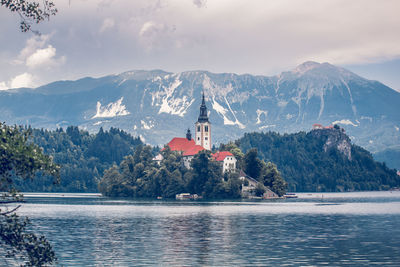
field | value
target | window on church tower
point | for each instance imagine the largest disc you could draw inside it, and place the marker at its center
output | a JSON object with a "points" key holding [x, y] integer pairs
{"points": [[198, 128], [206, 128]]}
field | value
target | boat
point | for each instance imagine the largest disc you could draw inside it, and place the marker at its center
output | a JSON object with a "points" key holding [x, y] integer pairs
{"points": [[186, 196], [290, 195]]}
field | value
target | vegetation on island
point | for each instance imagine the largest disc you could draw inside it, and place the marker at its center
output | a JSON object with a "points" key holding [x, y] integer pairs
{"points": [[21, 158], [307, 167], [266, 173], [139, 175]]}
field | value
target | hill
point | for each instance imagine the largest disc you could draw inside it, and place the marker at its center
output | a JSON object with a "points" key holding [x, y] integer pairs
{"points": [[83, 157], [321, 161]]}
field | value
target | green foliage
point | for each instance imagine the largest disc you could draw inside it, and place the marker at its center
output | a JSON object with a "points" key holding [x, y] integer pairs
{"points": [[83, 157], [272, 178], [306, 167], [260, 190], [252, 164], [139, 176], [266, 173], [19, 157], [30, 11], [22, 245]]}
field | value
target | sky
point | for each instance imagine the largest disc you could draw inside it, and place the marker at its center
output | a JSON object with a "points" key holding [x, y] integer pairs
{"points": [[262, 37]]}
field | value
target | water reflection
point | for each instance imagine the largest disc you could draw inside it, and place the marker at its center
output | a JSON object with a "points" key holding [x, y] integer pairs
{"points": [[103, 232]]}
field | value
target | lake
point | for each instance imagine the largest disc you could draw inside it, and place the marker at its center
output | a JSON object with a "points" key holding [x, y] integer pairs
{"points": [[331, 229]]}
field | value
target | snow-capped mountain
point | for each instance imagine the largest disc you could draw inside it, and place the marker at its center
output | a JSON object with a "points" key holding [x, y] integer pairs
{"points": [[159, 105]]}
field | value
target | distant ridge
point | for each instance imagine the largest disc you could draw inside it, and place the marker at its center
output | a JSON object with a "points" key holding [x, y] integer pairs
{"points": [[158, 105]]}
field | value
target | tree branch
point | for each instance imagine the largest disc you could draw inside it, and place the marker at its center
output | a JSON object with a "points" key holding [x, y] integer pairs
{"points": [[10, 211]]}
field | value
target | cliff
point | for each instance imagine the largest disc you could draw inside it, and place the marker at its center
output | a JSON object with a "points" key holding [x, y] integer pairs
{"points": [[335, 138]]}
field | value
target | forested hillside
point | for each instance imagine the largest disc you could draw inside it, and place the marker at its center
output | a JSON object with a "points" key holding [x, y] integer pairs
{"points": [[83, 157], [321, 160]]}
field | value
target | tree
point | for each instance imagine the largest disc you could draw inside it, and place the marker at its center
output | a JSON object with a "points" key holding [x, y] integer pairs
{"points": [[19, 157], [259, 190], [201, 172], [30, 11], [252, 164], [272, 178]]}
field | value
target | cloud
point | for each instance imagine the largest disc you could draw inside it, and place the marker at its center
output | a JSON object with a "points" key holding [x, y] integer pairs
{"points": [[356, 54], [151, 28], [258, 36], [42, 57], [108, 23], [36, 54], [200, 3], [3, 86], [22, 80], [154, 35], [31, 45]]}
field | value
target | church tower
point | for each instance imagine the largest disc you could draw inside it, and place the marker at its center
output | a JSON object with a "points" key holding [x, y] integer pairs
{"points": [[203, 127]]}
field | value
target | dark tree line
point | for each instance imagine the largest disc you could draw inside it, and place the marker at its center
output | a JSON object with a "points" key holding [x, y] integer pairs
{"points": [[299, 157], [306, 167], [83, 157]]}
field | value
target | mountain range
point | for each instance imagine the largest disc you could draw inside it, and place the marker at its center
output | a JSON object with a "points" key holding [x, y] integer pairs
{"points": [[158, 105]]}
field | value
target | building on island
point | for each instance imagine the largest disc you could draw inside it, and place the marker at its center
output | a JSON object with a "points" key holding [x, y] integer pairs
{"points": [[227, 159], [203, 127], [202, 141]]}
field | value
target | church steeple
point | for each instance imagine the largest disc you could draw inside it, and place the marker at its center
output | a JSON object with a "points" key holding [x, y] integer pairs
{"points": [[188, 135], [203, 117], [203, 127]]}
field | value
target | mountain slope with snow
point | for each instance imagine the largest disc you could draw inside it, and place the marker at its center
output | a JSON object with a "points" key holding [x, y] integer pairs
{"points": [[159, 105]]}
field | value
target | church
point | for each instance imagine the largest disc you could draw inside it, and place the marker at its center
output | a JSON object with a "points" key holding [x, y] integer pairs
{"points": [[189, 147]]}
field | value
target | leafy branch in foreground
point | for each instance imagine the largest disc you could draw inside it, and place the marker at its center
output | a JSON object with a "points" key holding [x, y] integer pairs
{"points": [[19, 157], [30, 12]]}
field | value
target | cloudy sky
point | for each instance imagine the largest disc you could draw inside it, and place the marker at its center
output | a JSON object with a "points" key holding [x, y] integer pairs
{"points": [[101, 37]]}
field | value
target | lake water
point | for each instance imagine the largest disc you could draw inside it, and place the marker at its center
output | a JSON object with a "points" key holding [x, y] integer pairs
{"points": [[335, 229]]}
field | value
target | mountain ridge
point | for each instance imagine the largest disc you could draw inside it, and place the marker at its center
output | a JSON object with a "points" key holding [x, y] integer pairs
{"points": [[158, 105]]}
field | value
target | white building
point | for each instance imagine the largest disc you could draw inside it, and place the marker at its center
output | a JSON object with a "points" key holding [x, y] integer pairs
{"points": [[227, 160]]}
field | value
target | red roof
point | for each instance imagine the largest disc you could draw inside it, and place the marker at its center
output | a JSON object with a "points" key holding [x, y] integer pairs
{"points": [[188, 147], [193, 150], [221, 155], [180, 144], [317, 125]]}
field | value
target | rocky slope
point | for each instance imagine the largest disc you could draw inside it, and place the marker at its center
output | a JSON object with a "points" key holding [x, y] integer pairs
{"points": [[159, 105]]}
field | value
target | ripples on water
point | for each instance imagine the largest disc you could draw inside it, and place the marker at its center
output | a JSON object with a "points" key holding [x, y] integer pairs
{"points": [[334, 230]]}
